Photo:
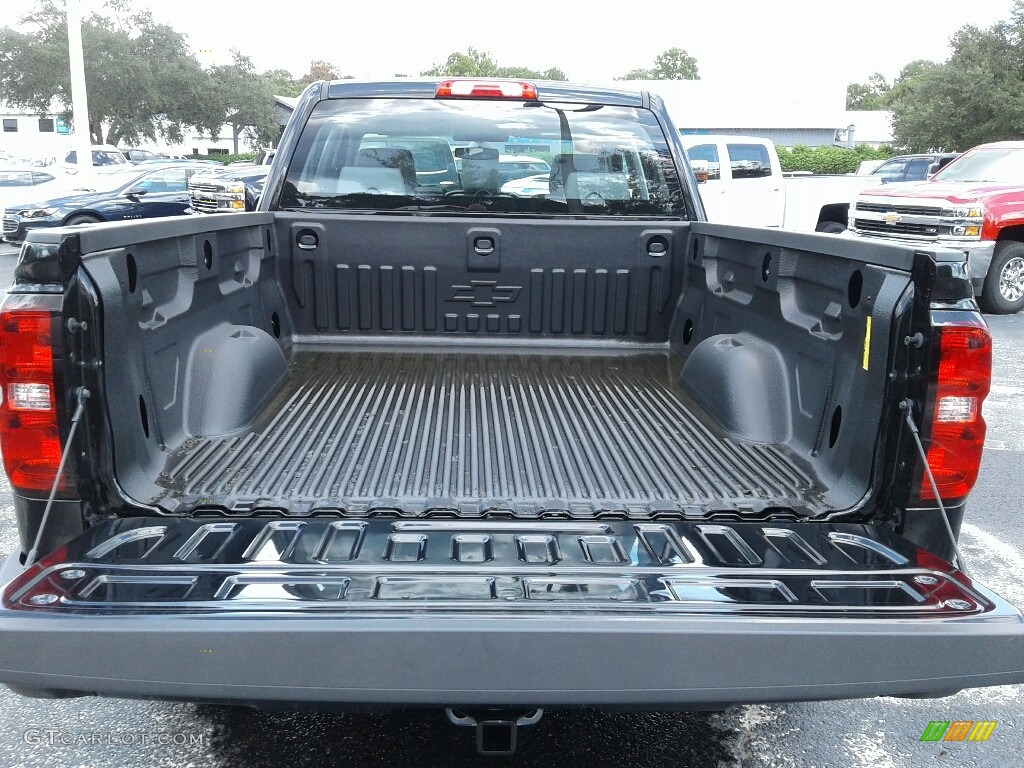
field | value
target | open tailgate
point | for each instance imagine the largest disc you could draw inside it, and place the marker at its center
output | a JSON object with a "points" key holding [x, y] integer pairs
{"points": [[500, 612]]}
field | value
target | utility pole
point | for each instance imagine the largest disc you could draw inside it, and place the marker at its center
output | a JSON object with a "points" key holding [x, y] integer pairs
{"points": [[82, 141]]}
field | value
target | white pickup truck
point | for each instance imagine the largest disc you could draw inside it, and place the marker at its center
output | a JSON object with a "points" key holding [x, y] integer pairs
{"points": [[743, 183]]}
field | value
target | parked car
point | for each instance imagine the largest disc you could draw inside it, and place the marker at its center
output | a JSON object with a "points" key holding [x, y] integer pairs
{"points": [[381, 444], [19, 181], [233, 189], [912, 167], [137, 192], [137, 156], [528, 186], [512, 167], [975, 205], [103, 156], [743, 183]]}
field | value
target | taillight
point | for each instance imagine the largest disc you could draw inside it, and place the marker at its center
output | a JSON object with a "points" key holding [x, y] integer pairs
{"points": [[956, 434], [486, 89], [29, 432]]}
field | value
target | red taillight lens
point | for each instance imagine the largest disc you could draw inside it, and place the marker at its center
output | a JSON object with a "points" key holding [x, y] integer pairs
{"points": [[486, 89], [957, 434], [29, 434]]}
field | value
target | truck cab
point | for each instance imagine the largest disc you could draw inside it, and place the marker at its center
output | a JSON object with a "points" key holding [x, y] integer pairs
{"points": [[741, 182], [973, 205]]}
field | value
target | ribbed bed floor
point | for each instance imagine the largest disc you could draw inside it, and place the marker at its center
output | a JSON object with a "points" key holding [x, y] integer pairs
{"points": [[479, 431]]}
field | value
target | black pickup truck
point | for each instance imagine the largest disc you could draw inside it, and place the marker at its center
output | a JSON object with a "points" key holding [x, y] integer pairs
{"points": [[386, 443]]}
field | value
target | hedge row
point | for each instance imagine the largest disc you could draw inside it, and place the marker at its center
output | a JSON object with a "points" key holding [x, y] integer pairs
{"points": [[829, 159], [226, 158]]}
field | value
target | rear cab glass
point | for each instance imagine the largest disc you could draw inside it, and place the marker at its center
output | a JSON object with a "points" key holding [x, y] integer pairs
{"points": [[453, 156]]}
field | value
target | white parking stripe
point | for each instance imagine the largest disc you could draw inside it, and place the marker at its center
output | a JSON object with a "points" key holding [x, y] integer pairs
{"points": [[996, 563]]}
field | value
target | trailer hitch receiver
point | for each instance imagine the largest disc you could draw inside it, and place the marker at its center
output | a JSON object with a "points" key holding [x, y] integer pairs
{"points": [[496, 729]]}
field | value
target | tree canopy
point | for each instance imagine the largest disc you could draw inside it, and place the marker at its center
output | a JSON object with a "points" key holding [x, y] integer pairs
{"points": [[474, 63], [975, 96], [247, 100], [673, 64], [870, 95], [143, 79]]}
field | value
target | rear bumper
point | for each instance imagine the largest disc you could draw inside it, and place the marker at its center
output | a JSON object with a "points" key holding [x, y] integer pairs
{"points": [[673, 623], [531, 661]]}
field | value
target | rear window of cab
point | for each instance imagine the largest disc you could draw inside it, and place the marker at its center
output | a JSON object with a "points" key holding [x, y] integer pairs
{"points": [[453, 156]]}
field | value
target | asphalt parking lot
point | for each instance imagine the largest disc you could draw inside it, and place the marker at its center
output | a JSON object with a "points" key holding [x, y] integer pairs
{"points": [[880, 733]]}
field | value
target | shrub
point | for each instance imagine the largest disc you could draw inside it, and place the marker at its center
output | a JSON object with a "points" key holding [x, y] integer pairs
{"points": [[226, 158], [829, 159]]}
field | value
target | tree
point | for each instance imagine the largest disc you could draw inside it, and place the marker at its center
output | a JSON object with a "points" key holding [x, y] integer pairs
{"points": [[248, 101], [143, 79], [673, 64], [281, 83], [976, 96], [870, 95], [321, 70], [474, 63]]}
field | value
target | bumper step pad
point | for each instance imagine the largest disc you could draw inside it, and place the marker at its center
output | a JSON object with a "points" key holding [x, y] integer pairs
{"points": [[322, 565]]}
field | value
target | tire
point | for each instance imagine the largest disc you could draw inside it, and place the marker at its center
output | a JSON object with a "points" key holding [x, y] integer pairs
{"points": [[1003, 293], [830, 227], [82, 218]]}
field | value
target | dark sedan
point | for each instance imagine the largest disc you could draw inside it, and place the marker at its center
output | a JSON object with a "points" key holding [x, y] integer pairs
{"points": [[134, 193]]}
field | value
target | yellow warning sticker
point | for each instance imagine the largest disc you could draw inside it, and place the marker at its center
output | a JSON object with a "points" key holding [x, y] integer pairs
{"points": [[867, 344]]}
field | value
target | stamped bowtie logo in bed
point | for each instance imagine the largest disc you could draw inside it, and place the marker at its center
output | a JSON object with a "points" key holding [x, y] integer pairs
{"points": [[485, 293]]}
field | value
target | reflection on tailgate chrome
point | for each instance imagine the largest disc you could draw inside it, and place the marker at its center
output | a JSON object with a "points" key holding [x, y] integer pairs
{"points": [[318, 565]]}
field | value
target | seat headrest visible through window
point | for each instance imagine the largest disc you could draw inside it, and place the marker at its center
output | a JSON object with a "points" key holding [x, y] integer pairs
{"points": [[562, 179], [481, 170], [390, 157], [590, 177]]}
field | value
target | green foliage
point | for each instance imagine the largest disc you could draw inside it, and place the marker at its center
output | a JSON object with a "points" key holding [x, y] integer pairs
{"points": [[144, 82], [976, 96], [225, 159], [281, 83], [474, 63], [248, 100], [673, 64], [829, 159], [870, 95]]}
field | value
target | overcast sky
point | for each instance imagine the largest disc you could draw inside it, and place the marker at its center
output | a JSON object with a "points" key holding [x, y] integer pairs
{"points": [[812, 43]]}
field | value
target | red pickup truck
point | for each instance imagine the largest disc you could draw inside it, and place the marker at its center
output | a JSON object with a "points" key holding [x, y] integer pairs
{"points": [[975, 205]]}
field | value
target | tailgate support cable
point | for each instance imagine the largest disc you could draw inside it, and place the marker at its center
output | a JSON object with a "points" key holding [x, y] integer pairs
{"points": [[83, 395], [907, 407]]}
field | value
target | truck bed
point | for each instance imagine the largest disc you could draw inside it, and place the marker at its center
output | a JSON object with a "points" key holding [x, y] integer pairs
{"points": [[597, 369], [528, 431]]}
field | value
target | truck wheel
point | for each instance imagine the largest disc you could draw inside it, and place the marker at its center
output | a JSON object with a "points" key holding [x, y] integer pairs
{"points": [[1004, 287], [830, 227]]}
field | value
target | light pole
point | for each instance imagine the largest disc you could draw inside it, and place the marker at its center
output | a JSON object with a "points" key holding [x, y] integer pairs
{"points": [[82, 141]]}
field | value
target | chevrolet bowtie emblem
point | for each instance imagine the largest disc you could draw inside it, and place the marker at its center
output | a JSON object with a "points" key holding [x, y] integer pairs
{"points": [[892, 218], [485, 293]]}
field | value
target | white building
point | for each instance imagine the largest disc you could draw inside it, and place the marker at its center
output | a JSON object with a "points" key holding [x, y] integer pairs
{"points": [[783, 112], [874, 127], [31, 135]]}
